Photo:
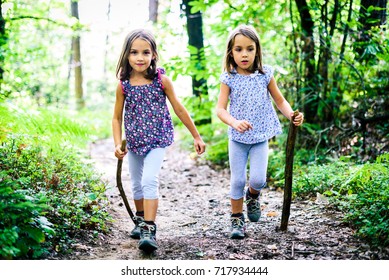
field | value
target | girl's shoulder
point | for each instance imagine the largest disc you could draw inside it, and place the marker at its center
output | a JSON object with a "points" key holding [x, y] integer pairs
{"points": [[163, 78], [269, 70], [161, 71], [225, 78]]}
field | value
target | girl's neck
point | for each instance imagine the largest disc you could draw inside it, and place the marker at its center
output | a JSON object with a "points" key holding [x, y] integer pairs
{"points": [[138, 79], [244, 72]]}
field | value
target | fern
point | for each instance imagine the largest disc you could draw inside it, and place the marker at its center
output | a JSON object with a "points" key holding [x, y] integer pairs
{"points": [[53, 129]]}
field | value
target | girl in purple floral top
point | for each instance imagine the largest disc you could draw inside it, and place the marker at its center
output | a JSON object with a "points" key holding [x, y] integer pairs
{"points": [[249, 87], [148, 127]]}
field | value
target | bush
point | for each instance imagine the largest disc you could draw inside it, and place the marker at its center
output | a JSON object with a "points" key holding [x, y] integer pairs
{"points": [[361, 191], [47, 199], [23, 226]]}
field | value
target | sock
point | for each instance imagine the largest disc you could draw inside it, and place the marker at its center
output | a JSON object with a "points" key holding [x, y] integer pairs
{"points": [[150, 223], [255, 196], [236, 215], [140, 213]]}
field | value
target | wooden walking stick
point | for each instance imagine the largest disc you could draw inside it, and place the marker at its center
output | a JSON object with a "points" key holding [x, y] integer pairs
{"points": [[288, 173], [120, 185]]}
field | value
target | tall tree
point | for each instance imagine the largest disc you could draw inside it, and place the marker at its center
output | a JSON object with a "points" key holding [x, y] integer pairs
{"points": [[106, 60], [153, 11], [327, 26], [196, 45], [3, 39], [76, 61], [311, 96]]}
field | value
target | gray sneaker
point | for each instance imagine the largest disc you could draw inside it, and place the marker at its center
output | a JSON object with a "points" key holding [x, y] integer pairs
{"points": [[253, 208], [238, 227], [147, 242], [135, 233]]}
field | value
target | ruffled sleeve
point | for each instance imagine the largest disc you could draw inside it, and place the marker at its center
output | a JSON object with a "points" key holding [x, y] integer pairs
{"points": [[160, 71], [269, 71], [225, 78]]}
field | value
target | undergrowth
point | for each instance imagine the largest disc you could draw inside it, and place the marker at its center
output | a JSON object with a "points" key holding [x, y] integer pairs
{"points": [[49, 195], [360, 191]]}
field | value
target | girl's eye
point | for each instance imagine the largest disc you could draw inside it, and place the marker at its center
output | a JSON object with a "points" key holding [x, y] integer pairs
{"points": [[238, 49], [132, 52]]}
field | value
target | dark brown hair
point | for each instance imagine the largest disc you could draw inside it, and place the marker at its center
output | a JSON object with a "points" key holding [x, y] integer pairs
{"points": [[123, 68], [250, 33]]}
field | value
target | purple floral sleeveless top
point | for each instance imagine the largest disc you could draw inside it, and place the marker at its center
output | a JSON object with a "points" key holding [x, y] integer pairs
{"points": [[147, 121]]}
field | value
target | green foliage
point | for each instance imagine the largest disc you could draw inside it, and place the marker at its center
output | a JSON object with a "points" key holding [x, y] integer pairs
{"points": [[23, 225], [48, 194], [37, 55], [47, 199], [52, 128], [361, 191]]}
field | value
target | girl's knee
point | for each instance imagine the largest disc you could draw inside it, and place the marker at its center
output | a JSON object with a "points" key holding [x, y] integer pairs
{"points": [[238, 183], [257, 184], [150, 187], [137, 191]]}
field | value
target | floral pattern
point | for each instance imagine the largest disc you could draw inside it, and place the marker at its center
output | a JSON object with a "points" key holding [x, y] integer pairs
{"points": [[250, 100], [147, 121]]}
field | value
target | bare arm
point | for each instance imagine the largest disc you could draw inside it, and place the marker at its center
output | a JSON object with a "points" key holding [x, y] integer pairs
{"points": [[282, 104], [224, 115], [117, 121], [183, 114]]}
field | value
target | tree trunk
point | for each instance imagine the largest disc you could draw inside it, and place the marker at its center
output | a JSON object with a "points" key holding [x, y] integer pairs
{"points": [[336, 74], [311, 96], [3, 39], [106, 60], [153, 11], [326, 31], [196, 40], [76, 63]]}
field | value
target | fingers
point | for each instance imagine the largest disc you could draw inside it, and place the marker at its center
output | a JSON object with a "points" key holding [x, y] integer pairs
{"points": [[299, 119], [200, 148], [119, 153], [242, 126]]}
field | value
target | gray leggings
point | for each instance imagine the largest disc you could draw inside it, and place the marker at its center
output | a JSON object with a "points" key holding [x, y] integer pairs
{"points": [[144, 173], [239, 154]]}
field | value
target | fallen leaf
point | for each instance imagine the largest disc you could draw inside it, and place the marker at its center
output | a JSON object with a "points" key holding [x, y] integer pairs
{"points": [[272, 247], [272, 214]]}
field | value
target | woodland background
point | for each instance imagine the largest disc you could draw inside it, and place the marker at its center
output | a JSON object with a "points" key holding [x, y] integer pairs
{"points": [[57, 84]]}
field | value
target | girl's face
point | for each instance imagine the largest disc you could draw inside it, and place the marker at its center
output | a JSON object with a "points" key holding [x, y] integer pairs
{"points": [[140, 56], [243, 52]]}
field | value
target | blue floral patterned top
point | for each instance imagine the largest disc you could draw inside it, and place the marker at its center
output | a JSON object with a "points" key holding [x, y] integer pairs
{"points": [[147, 121], [250, 100]]}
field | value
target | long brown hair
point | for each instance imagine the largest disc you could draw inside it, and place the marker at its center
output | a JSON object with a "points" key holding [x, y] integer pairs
{"points": [[123, 68], [250, 33]]}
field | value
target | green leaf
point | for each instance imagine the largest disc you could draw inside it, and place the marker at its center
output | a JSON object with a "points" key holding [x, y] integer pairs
{"points": [[35, 234]]}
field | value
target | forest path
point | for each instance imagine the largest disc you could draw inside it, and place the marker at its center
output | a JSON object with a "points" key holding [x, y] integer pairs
{"points": [[193, 219]]}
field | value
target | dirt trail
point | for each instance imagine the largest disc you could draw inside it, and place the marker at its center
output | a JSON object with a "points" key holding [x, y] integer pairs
{"points": [[193, 219]]}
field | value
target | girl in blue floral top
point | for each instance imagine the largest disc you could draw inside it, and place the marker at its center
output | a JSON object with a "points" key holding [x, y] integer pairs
{"points": [[248, 87], [148, 127]]}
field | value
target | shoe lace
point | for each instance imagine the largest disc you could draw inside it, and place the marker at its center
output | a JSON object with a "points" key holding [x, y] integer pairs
{"points": [[138, 220], [237, 222], [147, 230], [253, 204]]}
